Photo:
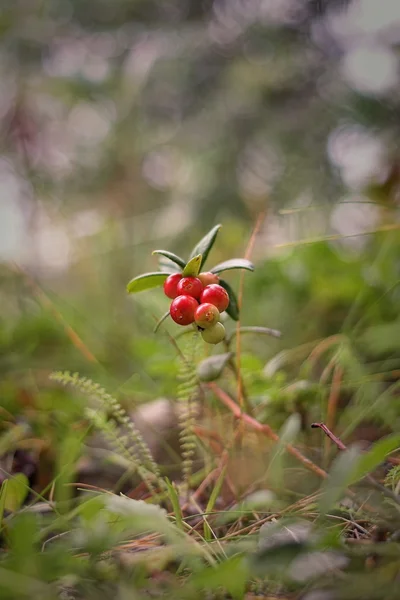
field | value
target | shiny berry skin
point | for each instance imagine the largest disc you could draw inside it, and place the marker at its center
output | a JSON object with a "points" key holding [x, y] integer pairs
{"points": [[190, 286], [182, 309], [217, 295], [170, 285], [208, 278], [206, 315], [214, 335]]}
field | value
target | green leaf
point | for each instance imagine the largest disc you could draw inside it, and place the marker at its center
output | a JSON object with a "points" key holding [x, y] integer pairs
{"points": [[257, 331], [211, 502], [192, 269], [233, 263], [16, 491], [211, 368], [160, 321], [146, 282], [69, 451], [205, 244], [276, 363], [173, 496], [351, 466], [231, 575], [375, 456], [287, 435], [233, 308], [167, 266], [172, 257], [340, 477], [3, 493]]}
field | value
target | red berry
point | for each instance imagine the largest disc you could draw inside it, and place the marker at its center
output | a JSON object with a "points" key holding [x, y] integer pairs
{"points": [[217, 295], [170, 285], [208, 278], [206, 315], [190, 286], [182, 309]]}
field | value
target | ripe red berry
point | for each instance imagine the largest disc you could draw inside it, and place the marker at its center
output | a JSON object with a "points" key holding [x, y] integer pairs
{"points": [[190, 286], [217, 295], [214, 335], [206, 315], [208, 278], [170, 285], [182, 309]]}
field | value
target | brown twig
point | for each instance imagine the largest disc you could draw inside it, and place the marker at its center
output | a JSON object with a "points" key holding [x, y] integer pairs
{"points": [[323, 346], [371, 480], [333, 401], [48, 304], [330, 435], [264, 429]]}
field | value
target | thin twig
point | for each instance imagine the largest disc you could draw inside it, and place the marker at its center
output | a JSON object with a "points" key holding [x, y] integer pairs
{"points": [[371, 480], [263, 428], [48, 304], [330, 435]]}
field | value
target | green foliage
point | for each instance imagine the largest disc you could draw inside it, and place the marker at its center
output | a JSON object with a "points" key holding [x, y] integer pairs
{"points": [[132, 125], [233, 307], [233, 263], [13, 493], [187, 396], [376, 455], [147, 281], [192, 268], [133, 446], [172, 257], [211, 368], [204, 246]]}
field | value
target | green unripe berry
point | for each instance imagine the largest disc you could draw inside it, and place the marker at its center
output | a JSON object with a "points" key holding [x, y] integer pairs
{"points": [[214, 335]]}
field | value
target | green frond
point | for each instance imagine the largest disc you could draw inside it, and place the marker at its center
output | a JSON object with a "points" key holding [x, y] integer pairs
{"points": [[187, 398], [131, 446], [392, 479]]}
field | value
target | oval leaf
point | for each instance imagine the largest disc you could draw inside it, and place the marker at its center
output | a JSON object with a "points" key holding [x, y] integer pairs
{"points": [[212, 367], [192, 269], [146, 282], [375, 456], [15, 492], [160, 321], [233, 308], [258, 331], [3, 493], [276, 363], [340, 477], [287, 435], [233, 263], [171, 257], [167, 266], [205, 244]]}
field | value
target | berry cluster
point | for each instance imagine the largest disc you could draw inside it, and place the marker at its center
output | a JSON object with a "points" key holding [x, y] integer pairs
{"points": [[198, 300]]}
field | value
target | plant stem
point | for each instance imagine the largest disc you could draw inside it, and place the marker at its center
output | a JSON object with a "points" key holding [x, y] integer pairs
{"points": [[371, 480], [263, 428]]}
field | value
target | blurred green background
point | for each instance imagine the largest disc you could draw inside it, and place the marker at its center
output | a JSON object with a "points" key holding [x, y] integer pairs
{"points": [[133, 125], [136, 124]]}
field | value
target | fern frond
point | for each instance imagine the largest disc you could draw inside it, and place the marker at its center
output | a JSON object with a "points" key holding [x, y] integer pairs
{"points": [[133, 446], [392, 479], [187, 398]]}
